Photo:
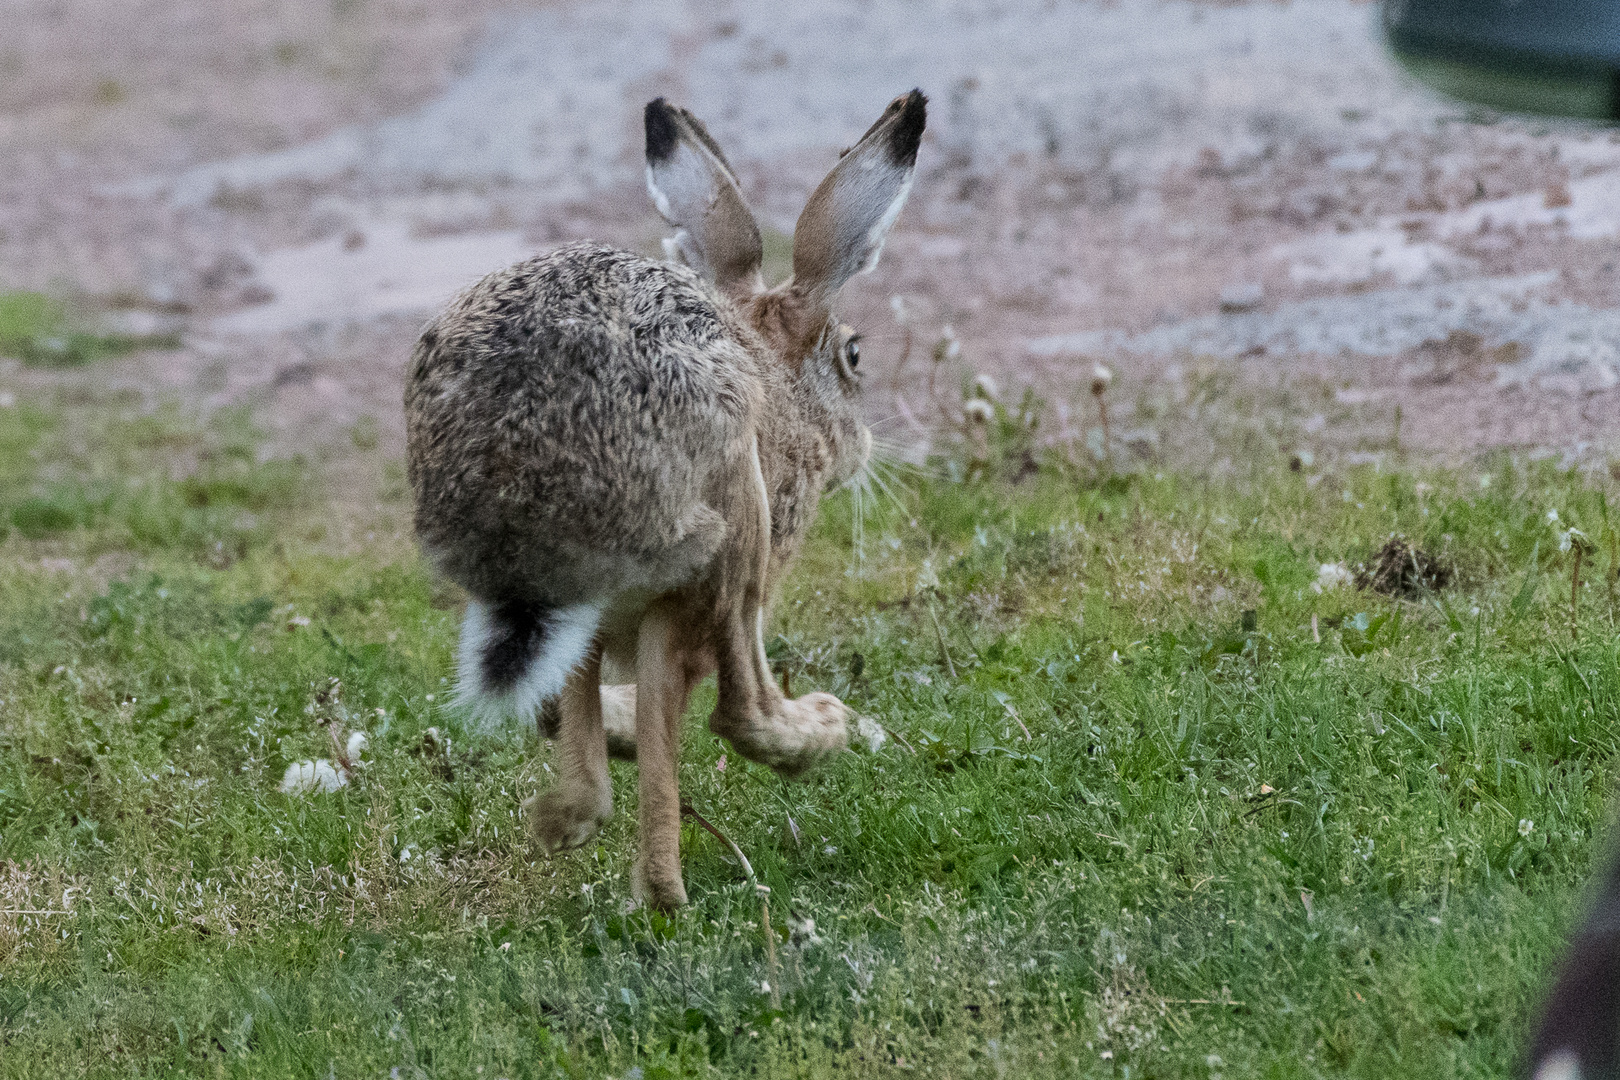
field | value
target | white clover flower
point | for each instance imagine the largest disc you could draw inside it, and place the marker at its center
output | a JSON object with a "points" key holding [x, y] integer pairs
{"points": [[871, 733], [802, 931], [319, 776], [927, 576], [1101, 377], [1330, 576]]}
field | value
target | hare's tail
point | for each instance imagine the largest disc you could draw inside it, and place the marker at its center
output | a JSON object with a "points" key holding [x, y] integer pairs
{"points": [[516, 654]]}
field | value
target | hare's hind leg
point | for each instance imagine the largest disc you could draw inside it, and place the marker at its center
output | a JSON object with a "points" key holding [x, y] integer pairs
{"points": [[764, 726], [618, 719], [665, 675], [575, 809]]}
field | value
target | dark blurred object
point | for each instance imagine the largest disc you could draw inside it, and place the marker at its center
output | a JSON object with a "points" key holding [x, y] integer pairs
{"points": [[1555, 57], [1578, 1037]]}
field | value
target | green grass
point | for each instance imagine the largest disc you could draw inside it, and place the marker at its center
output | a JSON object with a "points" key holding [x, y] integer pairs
{"points": [[1151, 825], [144, 481], [41, 331]]}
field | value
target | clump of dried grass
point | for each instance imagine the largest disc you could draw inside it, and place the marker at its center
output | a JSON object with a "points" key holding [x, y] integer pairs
{"points": [[1403, 570]]}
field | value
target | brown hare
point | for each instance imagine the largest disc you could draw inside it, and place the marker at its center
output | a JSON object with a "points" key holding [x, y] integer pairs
{"points": [[620, 457]]}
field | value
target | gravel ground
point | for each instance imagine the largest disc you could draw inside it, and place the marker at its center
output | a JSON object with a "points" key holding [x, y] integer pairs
{"points": [[1248, 195]]}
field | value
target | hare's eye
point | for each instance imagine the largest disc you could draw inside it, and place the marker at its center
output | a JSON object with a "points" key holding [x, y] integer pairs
{"points": [[852, 353]]}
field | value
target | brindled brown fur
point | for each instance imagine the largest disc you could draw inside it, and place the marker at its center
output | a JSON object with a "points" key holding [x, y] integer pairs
{"points": [[642, 445]]}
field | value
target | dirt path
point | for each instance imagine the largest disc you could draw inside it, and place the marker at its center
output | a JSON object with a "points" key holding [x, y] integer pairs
{"points": [[1244, 209]]}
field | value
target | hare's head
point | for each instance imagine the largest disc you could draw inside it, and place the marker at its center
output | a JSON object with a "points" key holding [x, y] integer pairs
{"points": [[840, 234]]}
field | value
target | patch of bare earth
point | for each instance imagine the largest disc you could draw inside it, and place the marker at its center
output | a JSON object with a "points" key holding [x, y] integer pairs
{"points": [[96, 96], [92, 95]]}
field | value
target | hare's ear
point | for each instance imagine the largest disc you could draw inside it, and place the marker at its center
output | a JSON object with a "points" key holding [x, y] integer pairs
{"points": [[841, 232], [694, 188]]}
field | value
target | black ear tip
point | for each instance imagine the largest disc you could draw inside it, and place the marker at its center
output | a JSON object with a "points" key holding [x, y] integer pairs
{"points": [[908, 129], [662, 134]]}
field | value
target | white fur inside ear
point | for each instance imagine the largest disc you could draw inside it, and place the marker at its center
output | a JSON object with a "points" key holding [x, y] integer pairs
{"points": [[682, 250], [879, 232], [685, 185], [568, 635], [659, 199]]}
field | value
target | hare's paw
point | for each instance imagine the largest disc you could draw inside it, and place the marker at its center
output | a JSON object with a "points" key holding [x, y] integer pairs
{"points": [[564, 818], [798, 735], [660, 889]]}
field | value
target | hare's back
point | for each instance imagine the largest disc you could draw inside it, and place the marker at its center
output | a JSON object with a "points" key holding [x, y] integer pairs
{"points": [[569, 414]]}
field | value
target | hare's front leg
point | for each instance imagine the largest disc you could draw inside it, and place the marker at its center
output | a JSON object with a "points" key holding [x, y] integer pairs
{"points": [[789, 735], [662, 686], [581, 801], [764, 726]]}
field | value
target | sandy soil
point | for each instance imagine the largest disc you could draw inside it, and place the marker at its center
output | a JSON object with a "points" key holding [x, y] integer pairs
{"points": [[1244, 209]]}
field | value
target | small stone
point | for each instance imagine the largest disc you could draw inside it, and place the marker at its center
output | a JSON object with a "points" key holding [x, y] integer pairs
{"points": [[254, 294], [1245, 296]]}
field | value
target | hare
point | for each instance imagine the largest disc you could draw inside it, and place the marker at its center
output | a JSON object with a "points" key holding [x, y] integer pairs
{"points": [[620, 457]]}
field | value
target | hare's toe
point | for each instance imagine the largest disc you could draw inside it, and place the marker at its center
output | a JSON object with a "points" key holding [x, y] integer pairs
{"points": [[561, 818], [798, 736], [660, 888]]}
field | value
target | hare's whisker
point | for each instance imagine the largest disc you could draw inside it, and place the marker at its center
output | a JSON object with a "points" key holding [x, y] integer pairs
{"points": [[888, 492], [891, 449], [894, 460]]}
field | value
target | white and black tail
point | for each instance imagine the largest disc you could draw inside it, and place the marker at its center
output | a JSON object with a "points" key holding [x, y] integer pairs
{"points": [[515, 654]]}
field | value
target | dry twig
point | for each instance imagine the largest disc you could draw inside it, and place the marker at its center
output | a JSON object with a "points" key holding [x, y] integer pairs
{"points": [[762, 891]]}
